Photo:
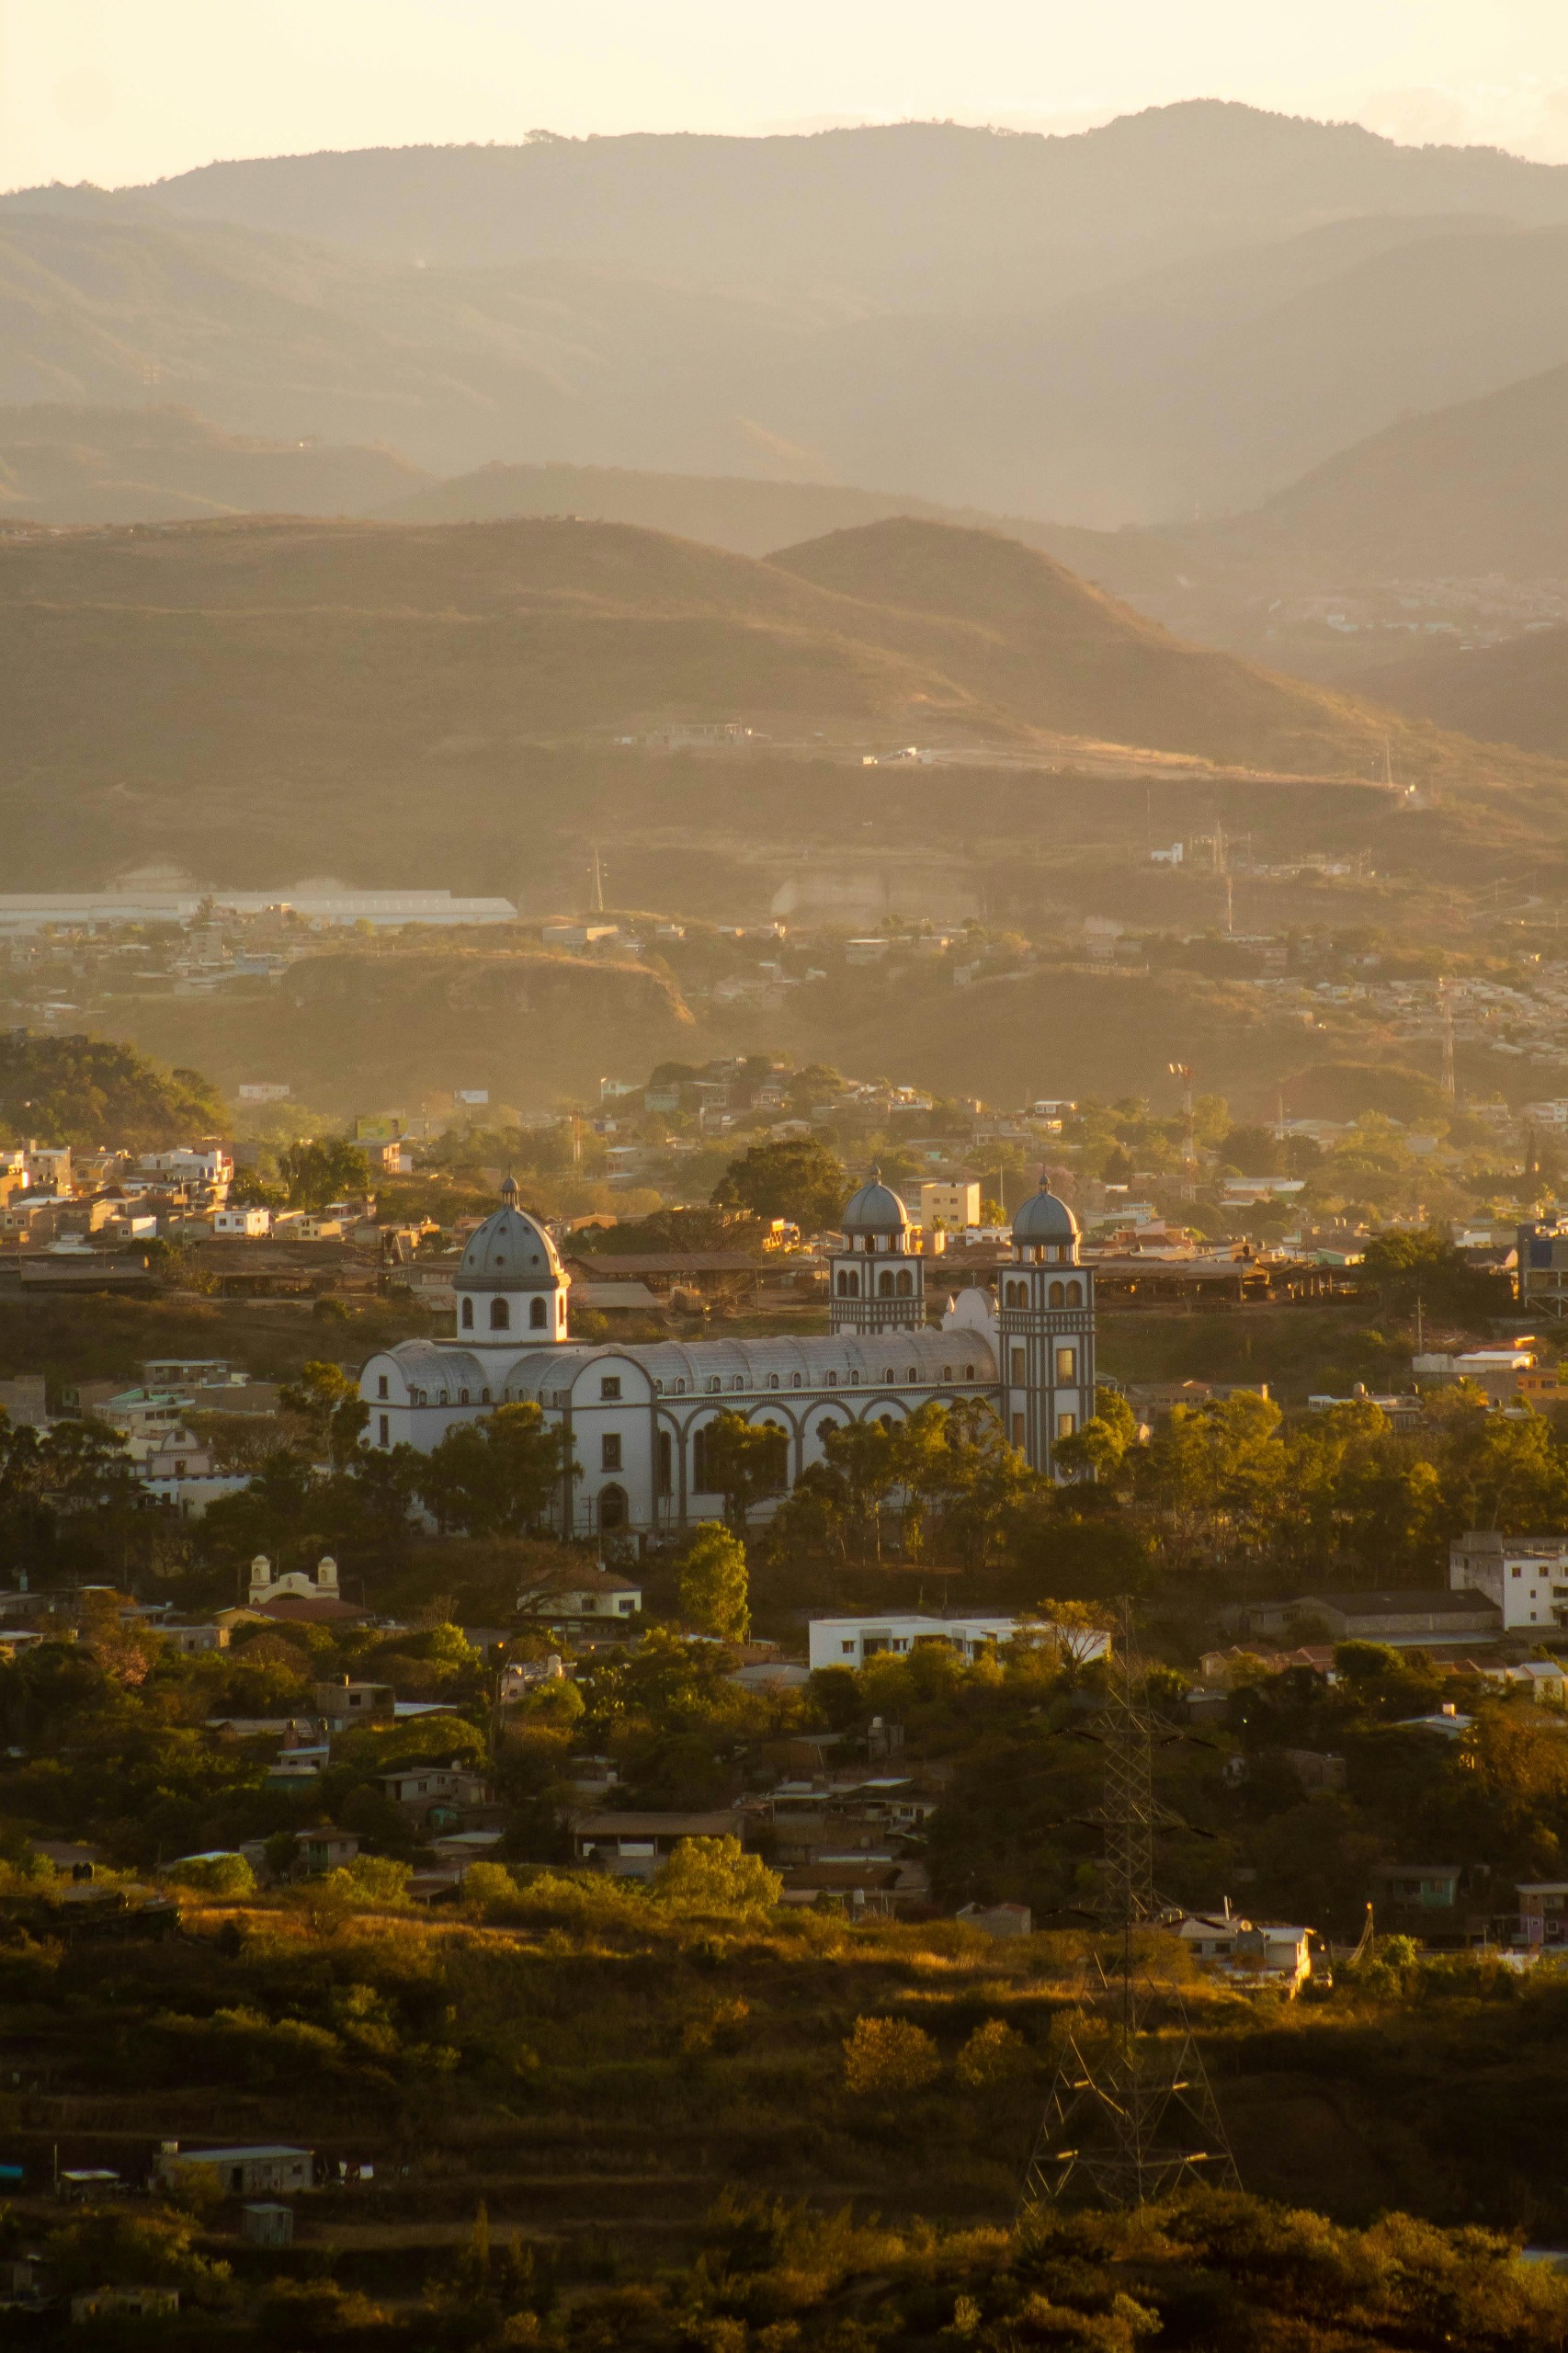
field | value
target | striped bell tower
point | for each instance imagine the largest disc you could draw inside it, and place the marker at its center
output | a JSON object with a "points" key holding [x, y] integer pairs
{"points": [[1045, 1331]]}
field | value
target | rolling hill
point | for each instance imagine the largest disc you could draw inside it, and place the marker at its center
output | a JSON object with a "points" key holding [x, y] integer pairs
{"points": [[1476, 487], [1514, 693], [336, 651], [61, 464]]}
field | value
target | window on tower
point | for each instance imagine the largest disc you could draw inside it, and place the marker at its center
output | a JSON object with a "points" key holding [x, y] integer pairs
{"points": [[905, 1283], [501, 1316], [536, 1315], [1065, 1424], [1066, 1364], [467, 1318], [1074, 1295], [1019, 1371], [1056, 1296], [884, 1283]]}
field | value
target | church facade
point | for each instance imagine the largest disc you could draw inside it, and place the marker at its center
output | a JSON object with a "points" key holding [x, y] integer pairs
{"points": [[636, 1414]]}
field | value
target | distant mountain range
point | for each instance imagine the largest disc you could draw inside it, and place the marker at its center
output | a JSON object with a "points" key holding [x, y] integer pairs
{"points": [[262, 698], [907, 214], [1184, 312]]}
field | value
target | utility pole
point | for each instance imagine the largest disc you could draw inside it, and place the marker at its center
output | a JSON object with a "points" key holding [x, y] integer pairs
{"points": [[1184, 1071], [597, 873], [1139, 2122], [1448, 1087]]}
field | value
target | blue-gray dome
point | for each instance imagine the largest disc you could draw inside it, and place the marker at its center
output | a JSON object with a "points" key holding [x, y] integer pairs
{"points": [[509, 1252], [1044, 1217], [875, 1209]]}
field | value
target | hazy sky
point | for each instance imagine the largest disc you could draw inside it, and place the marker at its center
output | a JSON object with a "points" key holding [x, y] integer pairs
{"points": [[125, 90]]}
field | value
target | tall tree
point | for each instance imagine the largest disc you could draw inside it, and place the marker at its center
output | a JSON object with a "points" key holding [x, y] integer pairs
{"points": [[799, 1179], [497, 1476]]}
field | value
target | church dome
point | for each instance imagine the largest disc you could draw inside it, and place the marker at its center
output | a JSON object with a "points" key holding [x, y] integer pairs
{"points": [[509, 1252], [1044, 1217], [875, 1209]]}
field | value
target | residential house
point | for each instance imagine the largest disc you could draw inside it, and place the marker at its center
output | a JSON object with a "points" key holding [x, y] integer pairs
{"points": [[1419, 1899], [324, 1848], [998, 1919], [1543, 1915], [632, 1845], [274, 2168], [591, 1597], [436, 1794], [342, 1704], [849, 1641], [1525, 1578]]}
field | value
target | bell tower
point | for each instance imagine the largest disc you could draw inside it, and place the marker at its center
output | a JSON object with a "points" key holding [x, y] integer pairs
{"points": [[879, 1277], [1045, 1331]]}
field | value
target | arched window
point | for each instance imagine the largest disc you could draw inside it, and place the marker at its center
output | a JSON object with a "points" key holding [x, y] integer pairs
{"points": [[1056, 1295], [946, 1372], [905, 1283], [833, 1381], [776, 1462], [854, 1381], [538, 1315], [773, 1381], [666, 1464], [462, 1396], [484, 1396], [441, 1399], [1074, 1295], [468, 1315], [968, 1373], [612, 1507], [884, 1285], [826, 1428], [713, 1381], [501, 1316], [887, 1372], [795, 1381], [914, 1374]]}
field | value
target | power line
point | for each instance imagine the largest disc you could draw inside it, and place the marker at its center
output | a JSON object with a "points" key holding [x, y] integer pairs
{"points": [[1137, 2121]]}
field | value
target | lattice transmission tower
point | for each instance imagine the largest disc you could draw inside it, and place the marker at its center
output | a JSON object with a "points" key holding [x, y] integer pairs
{"points": [[1132, 2118]]}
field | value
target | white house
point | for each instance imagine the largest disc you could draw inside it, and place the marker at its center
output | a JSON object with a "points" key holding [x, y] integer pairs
{"points": [[251, 1223], [1527, 1577], [637, 1414], [849, 1641]]}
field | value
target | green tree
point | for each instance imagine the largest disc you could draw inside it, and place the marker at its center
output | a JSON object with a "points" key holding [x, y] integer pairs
{"points": [[322, 1169], [1102, 1449], [889, 2056], [497, 1476], [743, 1461], [713, 1585], [716, 1875], [799, 1179], [328, 1399]]}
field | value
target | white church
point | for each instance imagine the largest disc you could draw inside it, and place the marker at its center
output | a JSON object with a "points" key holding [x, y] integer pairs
{"points": [[637, 1413]]}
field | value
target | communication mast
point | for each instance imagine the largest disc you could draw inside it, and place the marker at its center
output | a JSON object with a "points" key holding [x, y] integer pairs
{"points": [[1132, 2121]]}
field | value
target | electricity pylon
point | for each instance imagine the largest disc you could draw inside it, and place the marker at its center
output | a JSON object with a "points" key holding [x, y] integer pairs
{"points": [[1136, 2120]]}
